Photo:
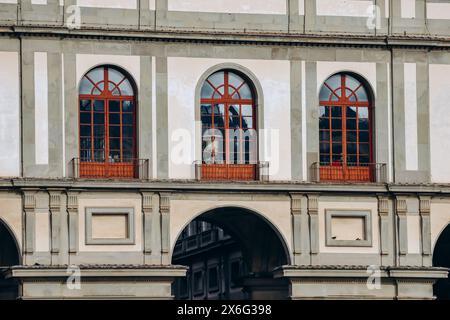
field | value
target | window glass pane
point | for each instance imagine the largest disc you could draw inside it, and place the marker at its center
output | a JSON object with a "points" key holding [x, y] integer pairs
{"points": [[85, 155], [99, 155], [351, 148], [351, 124], [99, 118], [324, 111], [324, 147], [364, 148], [205, 109], [325, 94], [114, 131], [114, 118], [324, 123], [247, 122], [362, 95], [85, 131], [114, 143], [219, 110], [99, 130], [234, 122], [114, 155], [207, 91], [127, 145], [364, 159], [125, 88], [213, 282], [351, 112], [351, 136], [245, 92], [337, 95], [352, 158], [363, 124], [127, 118], [115, 75], [324, 135], [247, 110], [85, 117], [363, 112], [86, 86], [324, 158], [337, 136], [85, 143], [219, 121], [351, 82], [336, 112], [334, 82], [127, 106], [127, 131], [348, 92], [99, 143], [217, 79], [364, 136], [96, 75], [336, 159], [234, 81], [114, 106], [99, 105], [337, 148], [336, 124], [234, 110], [85, 105], [206, 120]]}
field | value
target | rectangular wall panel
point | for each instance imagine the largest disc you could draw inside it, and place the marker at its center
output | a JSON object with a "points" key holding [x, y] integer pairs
{"points": [[41, 107], [230, 6], [411, 149]]}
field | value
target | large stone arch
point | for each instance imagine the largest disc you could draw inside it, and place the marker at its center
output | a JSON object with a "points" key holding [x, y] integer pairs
{"points": [[441, 258], [263, 247], [9, 256]]}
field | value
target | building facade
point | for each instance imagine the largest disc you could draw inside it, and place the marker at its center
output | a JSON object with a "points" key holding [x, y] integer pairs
{"points": [[313, 132]]}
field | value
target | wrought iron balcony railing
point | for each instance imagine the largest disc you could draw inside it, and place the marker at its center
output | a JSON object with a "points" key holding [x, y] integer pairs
{"points": [[113, 169], [231, 172], [348, 172]]}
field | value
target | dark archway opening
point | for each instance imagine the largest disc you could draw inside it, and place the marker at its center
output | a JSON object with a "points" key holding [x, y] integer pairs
{"points": [[441, 258], [231, 253], [9, 256]]}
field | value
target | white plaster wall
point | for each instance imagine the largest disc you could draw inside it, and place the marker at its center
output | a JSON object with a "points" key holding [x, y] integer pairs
{"points": [[229, 6], [8, 1], [41, 107], [9, 115], [117, 4], [11, 214], [183, 76], [439, 83], [438, 10], [42, 231], [39, 2], [413, 233], [368, 70], [440, 218], [132, 64], [349, 8], [408, 9], [110, 201], [184, 211], [410, 98], [358, 205]]}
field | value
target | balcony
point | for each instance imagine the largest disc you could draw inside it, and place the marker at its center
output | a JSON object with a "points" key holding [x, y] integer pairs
{"points": [[130, 169], [232, 172], [348, 172]]}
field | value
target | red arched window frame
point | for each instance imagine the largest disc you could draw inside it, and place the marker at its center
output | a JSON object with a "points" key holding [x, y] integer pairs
{"points": [[107, 124], [228, 104], [346, 126]]}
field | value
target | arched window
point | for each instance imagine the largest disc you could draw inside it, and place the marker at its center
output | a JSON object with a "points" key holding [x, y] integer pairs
{"points": [[229, 139], [345, 123], [107, 124]]}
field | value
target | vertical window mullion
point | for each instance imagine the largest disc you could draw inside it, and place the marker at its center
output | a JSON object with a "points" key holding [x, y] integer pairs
{"points": [[120, 133]]}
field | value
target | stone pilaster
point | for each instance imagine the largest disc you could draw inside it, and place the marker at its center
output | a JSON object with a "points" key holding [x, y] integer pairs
{"points": [[164, 209], [72, 211], [29, 207], [424, 211], [300, 229], [313, 213], [402, 226], [55, 220]]}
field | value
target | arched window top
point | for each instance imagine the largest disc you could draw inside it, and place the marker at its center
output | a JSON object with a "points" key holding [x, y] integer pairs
{"points": [[118, 84], [343, 87], [226, 85]]}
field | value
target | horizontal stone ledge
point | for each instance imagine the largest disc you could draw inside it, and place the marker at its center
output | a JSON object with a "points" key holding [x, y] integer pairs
{"points": [[48, 272], [308, 272]]}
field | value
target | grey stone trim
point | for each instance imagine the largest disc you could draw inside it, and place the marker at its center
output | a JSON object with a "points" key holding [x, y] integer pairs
{"points": [[162, 120], [145, 114], [296, 210], [424, 211], [29, 207], [401, 211], [147, 210], [423, 116], [313, 212], [366, 242], [129, 240], [296, 120], [312, 114], [72, 211], [55, 220], [385, 213], [300, 229], [164, 207]]}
